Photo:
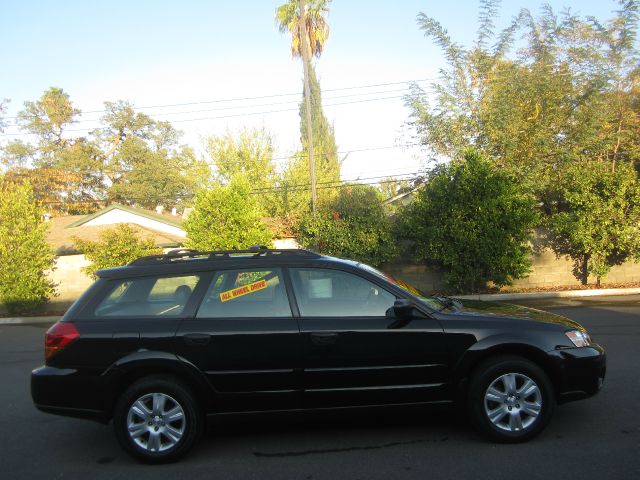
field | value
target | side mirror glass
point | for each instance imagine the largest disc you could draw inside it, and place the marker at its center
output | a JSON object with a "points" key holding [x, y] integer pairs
{"points": [[403, 307]]}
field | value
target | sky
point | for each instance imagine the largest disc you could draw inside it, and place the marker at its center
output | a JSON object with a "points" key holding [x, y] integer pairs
{"points": [[209, 54]]}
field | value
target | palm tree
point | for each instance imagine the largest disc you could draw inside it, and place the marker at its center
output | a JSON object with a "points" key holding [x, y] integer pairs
{"points": [[309, 32], [316, 26]]}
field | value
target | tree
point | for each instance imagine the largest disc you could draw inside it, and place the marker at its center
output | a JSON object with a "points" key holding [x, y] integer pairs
{"points": [[61, 191], [226, 217], [316, 26], [475, 221], [131, 158], [597, 220], [54, 154], [47, 119], [143, 160], [296, 194], [309, 31], [566, 95], [25, 256], [116, 247], [247, 155], [353, 225]]}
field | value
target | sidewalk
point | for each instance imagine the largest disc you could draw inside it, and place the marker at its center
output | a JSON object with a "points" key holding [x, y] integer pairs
{"points": [[598, 292], [28, 320]]}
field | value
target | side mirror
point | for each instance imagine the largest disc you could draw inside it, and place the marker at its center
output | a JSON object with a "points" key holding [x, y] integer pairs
{"points": [[403, 307]]}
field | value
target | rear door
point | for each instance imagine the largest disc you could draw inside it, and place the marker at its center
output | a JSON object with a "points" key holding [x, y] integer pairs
{"points": [[246, 340], [356, 352]]}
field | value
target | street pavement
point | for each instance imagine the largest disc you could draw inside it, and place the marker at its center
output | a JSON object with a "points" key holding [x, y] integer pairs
{"points": [[594, 438]]}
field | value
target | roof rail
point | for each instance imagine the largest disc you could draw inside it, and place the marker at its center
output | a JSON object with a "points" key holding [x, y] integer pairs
{"points": [[254, 251]]}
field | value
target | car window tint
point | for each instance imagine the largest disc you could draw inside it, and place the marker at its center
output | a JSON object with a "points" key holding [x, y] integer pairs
{"points": [[245, 294], [333, 293], [148, 296]]}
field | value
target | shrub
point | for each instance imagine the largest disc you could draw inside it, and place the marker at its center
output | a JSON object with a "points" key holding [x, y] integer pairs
{"points": [[226, 217], [117, 246], [475, 221], [24, 253], [353, 225], [595, 222]]}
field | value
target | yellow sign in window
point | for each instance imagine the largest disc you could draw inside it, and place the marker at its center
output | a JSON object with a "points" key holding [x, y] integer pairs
{"points": [[244, 290]]}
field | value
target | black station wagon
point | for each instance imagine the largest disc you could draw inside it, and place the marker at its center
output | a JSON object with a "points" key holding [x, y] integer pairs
{"points": [[158, 345]]}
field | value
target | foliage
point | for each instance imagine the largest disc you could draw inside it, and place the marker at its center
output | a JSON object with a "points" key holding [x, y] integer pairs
{"points": [[131, 158], [24, 253], [475, 221], [226, 217], [597, 220], [117, 246], [568, 92], [569, 96], [296, 183], [353, 225], [288, 20], [248, 155], [143, 160]]}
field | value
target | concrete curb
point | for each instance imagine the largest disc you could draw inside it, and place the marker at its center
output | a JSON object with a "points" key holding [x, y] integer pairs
{"points": [[28, 320], [497, 297]]}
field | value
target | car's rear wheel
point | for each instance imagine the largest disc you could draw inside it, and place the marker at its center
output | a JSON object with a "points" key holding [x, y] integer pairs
{"points": [[511, 399], [157, 420]]}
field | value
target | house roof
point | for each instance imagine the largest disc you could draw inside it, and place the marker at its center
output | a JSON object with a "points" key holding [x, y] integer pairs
{"points": [[63, 229], [172, 220]]}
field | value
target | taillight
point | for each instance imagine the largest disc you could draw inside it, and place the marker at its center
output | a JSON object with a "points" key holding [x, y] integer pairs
{"points": [[58, 337]]}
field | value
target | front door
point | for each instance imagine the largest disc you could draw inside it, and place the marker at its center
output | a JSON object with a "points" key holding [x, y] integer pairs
{"points": [[356, 352], [246, 340]]}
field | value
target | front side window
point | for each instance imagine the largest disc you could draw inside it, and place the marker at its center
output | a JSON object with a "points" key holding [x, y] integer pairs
{"points": [[334, 293], [148, 296], [246, 294]]}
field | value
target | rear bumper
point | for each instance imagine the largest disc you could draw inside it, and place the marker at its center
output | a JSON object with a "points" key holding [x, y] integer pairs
{"points": [[580, 371], [68, 392]]}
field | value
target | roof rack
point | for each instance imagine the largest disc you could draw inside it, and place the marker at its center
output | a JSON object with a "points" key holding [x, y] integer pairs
{"points": [[254, 251]]}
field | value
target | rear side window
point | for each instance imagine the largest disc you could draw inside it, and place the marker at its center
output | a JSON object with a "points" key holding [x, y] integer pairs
{"points": [[148, 296], [246, 294]]}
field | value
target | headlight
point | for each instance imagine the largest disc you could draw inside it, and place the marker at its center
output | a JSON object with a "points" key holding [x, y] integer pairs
{"points": [[578, 338]]}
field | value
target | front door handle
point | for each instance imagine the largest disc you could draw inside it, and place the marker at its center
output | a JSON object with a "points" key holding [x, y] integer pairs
{"points": [[324, 338], [197, 339]]}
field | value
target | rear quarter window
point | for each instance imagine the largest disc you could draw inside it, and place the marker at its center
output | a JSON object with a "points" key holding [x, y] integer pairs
{"points": [[147, 296]]}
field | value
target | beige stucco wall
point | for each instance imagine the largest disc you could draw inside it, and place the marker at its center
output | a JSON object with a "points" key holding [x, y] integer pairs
{"points": [[547, 271], [71, 281]]}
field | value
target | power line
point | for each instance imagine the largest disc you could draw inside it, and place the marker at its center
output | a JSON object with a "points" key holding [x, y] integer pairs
{"points": [[290, 189], [239, 107], [60, 173], [259, 97], [227, 116]]}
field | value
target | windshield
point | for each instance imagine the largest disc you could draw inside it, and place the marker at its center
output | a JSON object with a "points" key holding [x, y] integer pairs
{"points": [[432, 302]]}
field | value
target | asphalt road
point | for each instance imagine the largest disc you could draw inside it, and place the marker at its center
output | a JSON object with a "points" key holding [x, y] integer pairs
{"points": [[595, 438]]}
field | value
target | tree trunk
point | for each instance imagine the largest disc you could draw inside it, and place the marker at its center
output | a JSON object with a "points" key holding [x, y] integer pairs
{"points": [[585, 270], [307, 95]]}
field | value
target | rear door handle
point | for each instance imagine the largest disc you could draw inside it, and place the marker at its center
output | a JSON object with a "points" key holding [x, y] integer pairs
{"points": [[323, 338], [198, 339]]}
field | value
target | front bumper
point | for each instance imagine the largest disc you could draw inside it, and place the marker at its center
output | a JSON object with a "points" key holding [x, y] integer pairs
{"points": [[580, 372], [68, 392]]}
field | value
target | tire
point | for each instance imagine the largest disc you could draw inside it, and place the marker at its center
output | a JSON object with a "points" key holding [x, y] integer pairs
{"points": [[510, 400], [157, 420]]}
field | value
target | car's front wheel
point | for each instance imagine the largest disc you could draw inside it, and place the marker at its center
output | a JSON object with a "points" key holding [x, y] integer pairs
{"points": [[157, 420], [510, 399]]}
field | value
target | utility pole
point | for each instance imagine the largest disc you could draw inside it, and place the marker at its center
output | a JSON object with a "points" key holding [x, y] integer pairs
{"points": [[307, 95]]}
